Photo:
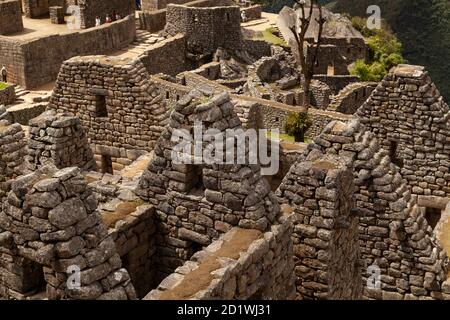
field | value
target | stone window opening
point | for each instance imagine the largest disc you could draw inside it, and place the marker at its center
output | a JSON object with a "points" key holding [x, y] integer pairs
{"points": [[106, 165], [393, 154], [227, 16], [101, 110], [195, 177], [432, 215], [167, 94]]}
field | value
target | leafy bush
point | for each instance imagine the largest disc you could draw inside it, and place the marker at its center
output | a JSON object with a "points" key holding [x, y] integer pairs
{"points": [[296, 125], [385, 51]]}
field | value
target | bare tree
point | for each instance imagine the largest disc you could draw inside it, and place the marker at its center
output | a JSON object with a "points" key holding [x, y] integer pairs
{"points": [[299, 31]]}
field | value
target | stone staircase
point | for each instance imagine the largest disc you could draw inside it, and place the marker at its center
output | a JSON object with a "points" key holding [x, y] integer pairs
{"points": [[20, 92]]}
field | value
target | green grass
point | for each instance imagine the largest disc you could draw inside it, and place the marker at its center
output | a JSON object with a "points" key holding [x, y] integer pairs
{"points": [[269, 36], [3, 85]]}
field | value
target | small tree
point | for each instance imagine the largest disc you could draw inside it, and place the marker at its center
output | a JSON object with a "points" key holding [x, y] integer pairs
{"points": [[299, 30], [296, 125]]}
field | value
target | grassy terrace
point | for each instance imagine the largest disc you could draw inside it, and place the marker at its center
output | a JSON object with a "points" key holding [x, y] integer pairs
{"points": [[269, 36], [3, 85]]}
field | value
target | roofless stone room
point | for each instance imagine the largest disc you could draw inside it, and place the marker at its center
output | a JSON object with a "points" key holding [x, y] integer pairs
{"points": [[236, 150]]}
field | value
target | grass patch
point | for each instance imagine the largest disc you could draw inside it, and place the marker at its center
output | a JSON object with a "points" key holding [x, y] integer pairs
{"points": [[268, 35], [3, 85]]}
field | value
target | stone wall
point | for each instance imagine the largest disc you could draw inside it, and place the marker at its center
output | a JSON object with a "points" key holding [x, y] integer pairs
{"points": [[12, 154], [7, 95], [236, 267], [35, 8], [90, 9], [30, 63], [395, 237], [155, 20], [50, 230], [10, 17], [257, 48], [326, 247], [349, 99], [58, 139], [252, 12], [121, 109], [320, 94], [336, 83], [411, 120], [206, 28], [330, 61], [196, 202], [134, 237], [151, 5], [167, 56]]}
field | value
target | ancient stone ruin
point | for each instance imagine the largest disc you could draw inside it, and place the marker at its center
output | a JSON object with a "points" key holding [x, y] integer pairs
{"points": [[135, 159]]}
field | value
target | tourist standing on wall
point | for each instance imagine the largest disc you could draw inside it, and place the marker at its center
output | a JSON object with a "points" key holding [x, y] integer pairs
{"points": [[243, 16], [4, 74], [98, 22], [138, 5], [108, 19]]}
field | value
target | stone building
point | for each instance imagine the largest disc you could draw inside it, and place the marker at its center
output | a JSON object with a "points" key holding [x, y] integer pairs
{"points": [[196, 203], [121, 109], [410, 119], [49, 226], [395, 237], [206, 28]]}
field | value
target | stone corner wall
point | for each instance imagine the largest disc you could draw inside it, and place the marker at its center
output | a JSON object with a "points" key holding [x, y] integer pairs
{"points": [[58, 139], [135, 241], [12, 154], [326, 245], [10, 17]]}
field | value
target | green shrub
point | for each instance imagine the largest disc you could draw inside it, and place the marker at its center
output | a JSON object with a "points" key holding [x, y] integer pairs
{"points": [[296, 125], [385, 51]]}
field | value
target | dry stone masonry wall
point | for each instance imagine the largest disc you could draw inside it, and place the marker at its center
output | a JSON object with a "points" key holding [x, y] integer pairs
{"points": [[121, 109], [58, 139], [195, 203], [12, 154], [326, 248], [394, 234], [242, 264], [411, 120], [10, 17], [50, 225]]}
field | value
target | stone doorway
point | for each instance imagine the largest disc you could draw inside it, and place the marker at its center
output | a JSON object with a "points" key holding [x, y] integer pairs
{"points": [[106, 165], [432, 215]]}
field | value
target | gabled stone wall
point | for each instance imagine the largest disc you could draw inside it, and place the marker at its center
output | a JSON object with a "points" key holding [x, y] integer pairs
{"points": [[411, 121], [133, 110], [195, 203]]}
